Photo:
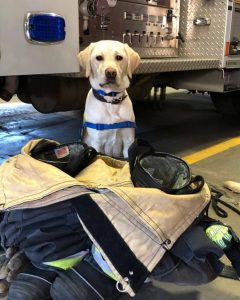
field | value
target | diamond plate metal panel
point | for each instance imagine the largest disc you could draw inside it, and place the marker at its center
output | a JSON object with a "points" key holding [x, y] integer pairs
{"points": [[203, 41], [175, 64], [168, 65], [156, 52]]}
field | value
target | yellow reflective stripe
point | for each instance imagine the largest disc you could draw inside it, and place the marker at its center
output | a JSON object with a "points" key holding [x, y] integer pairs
{"points": [[65, 263], [110, 274], [205, 153], [102, 264]]}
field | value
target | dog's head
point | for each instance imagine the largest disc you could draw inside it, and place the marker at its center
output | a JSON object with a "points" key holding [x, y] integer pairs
{"points": [[109, 64]]}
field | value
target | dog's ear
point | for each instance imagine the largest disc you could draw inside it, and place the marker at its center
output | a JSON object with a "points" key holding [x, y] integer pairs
{"points": [[84, 58], [133, 60]]}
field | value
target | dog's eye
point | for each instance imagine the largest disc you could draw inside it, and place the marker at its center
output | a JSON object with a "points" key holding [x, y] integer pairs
{"points": [[99, 57], [119, 57]]}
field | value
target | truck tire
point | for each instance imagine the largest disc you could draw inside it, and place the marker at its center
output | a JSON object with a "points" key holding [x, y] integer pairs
{"points": [[50, 94], [227, 103], [140, 86]]}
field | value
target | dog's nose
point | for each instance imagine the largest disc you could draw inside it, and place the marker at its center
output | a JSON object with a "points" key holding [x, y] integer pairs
{"points": [[111, 73]]}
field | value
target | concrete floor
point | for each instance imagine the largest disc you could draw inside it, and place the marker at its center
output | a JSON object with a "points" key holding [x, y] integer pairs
{"points": [[186, 124]]}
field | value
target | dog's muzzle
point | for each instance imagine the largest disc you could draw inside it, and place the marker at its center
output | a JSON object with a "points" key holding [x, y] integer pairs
{"points": [[111, 75]]}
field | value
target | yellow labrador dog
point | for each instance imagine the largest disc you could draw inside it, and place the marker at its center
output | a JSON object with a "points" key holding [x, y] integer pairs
{"points": [[109, 121]]}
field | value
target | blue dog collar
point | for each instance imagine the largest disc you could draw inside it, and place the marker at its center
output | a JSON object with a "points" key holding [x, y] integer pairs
{"points": [[100, 94], [126, 124], [111, 94]]}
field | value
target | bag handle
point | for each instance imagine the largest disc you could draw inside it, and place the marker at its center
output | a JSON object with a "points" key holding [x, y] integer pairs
{"points": [[195, 186], [216, 195], [138, 148]]}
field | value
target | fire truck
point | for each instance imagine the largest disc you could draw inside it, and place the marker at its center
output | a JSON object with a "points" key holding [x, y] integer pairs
{"points": [[188, 44]]}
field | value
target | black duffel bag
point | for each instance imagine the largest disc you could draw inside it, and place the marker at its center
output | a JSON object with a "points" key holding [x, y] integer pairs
{"points": [[169, 173]]}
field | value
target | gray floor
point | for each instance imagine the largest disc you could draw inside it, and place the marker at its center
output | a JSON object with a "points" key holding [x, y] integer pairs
{"points": [[185, 125]]}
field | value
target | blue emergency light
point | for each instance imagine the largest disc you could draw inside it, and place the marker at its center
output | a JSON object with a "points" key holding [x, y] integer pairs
{"points": [[44, 28]]}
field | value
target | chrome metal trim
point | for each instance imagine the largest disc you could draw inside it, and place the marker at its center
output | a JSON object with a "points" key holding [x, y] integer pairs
{"points": [[120, 288], [202, 21], [26, 27]]}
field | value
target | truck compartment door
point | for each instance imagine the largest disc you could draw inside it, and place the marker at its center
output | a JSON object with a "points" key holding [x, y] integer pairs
{"points": [[38, 37]]}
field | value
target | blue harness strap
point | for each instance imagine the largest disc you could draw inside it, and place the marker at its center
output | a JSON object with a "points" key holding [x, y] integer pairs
{"points": [[126, 124]]}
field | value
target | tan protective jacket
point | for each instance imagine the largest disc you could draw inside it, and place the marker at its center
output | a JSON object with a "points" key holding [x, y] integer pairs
{"points": [[147, 220]]}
